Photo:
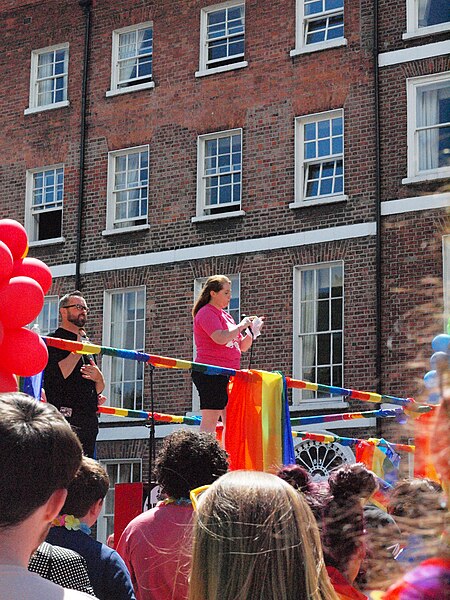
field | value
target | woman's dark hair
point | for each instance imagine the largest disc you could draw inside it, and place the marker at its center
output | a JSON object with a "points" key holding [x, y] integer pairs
{"points": [[187, 460], [341, 518], [213, 284]]}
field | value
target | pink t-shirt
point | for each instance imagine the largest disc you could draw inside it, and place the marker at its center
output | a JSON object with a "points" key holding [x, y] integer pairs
{"points": [[156, 547], [208, 320]]}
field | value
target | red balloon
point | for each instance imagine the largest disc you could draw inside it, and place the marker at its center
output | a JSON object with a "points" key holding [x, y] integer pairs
{"points": [[6, 263], [23, 352], [8, 382], [13, 234], [21, 301], [34, 268]]}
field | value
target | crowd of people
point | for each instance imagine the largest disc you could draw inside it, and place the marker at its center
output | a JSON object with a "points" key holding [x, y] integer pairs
{"points": [[217, 534]]}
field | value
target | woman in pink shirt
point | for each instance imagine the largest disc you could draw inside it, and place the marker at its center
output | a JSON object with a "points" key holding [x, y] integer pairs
{"points": [[219, 341]]}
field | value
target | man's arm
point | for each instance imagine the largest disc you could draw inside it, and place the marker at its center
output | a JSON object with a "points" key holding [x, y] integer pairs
{"points": [[68, 364]]}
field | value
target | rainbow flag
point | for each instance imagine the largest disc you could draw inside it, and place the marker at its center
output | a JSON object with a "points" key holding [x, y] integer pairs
{"points": [[382, 460], [424, 456], [259, 436]]}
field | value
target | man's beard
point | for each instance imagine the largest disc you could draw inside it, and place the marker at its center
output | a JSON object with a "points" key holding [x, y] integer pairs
{"points": [[79, 321]]}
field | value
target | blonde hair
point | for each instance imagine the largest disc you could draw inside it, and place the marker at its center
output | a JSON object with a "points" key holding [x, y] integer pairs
{"points": [[213, 284], [255, 537]]}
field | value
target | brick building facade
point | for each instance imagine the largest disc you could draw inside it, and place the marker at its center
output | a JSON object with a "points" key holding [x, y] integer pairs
{"points": [[212, 138]]}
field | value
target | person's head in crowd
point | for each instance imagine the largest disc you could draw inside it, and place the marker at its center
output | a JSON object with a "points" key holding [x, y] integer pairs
{"points": [[383, 543], [187, 460], [255, 537], [419, 509], [87, 491], [213, 284], [356, 479], [301, 480], [415, 498], [73, 310], [342, 520], [39, 456]]}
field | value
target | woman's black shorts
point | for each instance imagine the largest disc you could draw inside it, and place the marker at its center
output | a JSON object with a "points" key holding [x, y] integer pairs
{"points": [[212, 390]]}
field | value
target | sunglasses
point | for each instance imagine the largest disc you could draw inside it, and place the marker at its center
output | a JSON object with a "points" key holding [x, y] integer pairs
{"points": [[196, 493], [79, 307]]}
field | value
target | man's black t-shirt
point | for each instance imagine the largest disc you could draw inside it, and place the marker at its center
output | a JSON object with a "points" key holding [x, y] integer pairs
{"points": [[75, 397]]}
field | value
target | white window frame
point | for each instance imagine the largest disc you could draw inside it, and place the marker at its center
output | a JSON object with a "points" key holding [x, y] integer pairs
{"points": [[412, 23], [301, 22], [33, 99], [44, 318], [446, 278], [115, 89], [107, 360], [202, 214], [297, 368], [30, 224], [203, 56], [300, 200], [110, 203], [102, 521], [235, 279], [412, 87]]}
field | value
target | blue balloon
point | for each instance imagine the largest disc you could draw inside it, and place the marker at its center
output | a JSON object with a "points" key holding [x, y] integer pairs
{"points": [[434, 398], [431, 379], [439, 361], [441, 343]]}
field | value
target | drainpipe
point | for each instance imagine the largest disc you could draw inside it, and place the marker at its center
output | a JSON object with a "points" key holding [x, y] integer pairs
{"points": [[86, 6], [378, 256]]}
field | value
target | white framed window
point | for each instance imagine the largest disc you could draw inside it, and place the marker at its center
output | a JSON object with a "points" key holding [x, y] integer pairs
{"points": [[222, 38], [49, 78], [234, 308], [124, 327], [219, 175], [319, 25], [47, 319], [425, 17], [446, 277], [318, 328], [119, 471], [44, 204], [319, 158], [428, 100], [128, 173], [132, 59]]}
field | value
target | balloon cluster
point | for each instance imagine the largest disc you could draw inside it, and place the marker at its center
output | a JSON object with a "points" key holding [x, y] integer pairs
{"points": [[439, 362], [23, 284]]}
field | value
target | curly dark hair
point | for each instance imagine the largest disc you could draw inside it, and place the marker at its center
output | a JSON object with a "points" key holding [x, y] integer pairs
{"points": [[187, 460], [352, 480]]}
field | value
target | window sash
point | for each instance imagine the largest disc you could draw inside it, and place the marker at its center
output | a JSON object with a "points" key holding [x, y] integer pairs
{"points": [[432, 12], [322, 168], [130, 188], [229, 39], [222, 172], [50, 80], [432, 131], [323, 24], [126, 330], [320, 327], [141, 58]]}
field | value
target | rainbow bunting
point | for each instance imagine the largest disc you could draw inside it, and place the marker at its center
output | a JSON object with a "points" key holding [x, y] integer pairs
{"points": [[173, 363], [381, 459], [345, 441]]}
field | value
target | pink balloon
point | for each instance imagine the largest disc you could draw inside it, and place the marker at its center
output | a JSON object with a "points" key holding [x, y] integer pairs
{"points": [[6, 263], [21, 301], [34, 268], [13, 234], [23, 352], [8, 382]]}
